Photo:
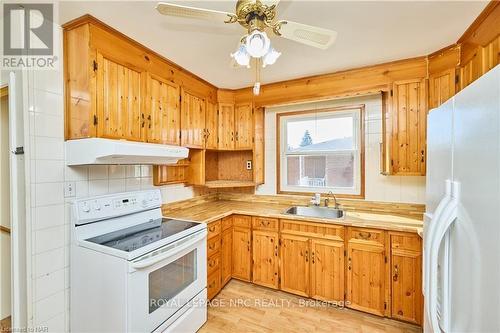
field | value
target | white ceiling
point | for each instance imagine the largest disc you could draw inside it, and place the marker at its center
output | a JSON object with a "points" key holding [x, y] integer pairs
{"points": [[369, 33]]}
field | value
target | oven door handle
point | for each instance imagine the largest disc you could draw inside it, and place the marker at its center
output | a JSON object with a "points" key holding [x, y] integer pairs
{"points": [[169, 250]]}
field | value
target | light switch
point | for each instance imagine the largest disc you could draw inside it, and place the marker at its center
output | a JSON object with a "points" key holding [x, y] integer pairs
{"points": [[69, 189]]}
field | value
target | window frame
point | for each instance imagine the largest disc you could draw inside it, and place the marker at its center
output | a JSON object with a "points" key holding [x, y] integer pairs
{"points": [[359, 189]]}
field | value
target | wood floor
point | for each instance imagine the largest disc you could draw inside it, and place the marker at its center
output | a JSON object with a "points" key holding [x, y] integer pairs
{"points": [[244, 307]]}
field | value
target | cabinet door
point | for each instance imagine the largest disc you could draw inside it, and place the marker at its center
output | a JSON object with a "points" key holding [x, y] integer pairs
{"points": [[164, 112], [366, 277], [441, 87], [192, 121], [409, 127], [226, 126], [211, 126], [119, 100], [265, 258], [295, 264], [226, 252], [242, 255], [406, 277], [243, 119], [327, 270]]}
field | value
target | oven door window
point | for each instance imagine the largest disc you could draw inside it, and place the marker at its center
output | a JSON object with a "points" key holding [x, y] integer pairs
{"points": [[168, 281]]}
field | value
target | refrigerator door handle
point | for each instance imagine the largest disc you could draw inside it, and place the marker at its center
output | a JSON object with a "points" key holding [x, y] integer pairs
{"points": [[449, 216], [429, 230]]}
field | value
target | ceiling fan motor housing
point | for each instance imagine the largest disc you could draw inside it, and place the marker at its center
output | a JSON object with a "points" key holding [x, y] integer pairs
{"points": [[253, 15]]}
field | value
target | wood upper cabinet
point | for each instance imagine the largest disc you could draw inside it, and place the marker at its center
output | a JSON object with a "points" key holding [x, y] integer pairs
{"points": [[192, 120], [441, 87], [366, 270], [242, 248], [211, 125], [327, 270], [409, 123], [406, 277], [163, 119], [295, 264], [265, 248], [120, 98], [226, 126], [243, 121], [116, 88]]}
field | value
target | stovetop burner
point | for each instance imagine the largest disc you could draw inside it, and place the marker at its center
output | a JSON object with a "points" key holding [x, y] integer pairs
{"points": [[133, 238]]}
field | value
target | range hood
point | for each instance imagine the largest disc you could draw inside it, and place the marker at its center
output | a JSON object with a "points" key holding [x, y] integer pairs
{"points": [[108, 151]]}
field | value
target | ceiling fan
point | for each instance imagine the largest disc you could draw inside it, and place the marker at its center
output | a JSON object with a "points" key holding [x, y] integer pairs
{"points": [[256, 16]]}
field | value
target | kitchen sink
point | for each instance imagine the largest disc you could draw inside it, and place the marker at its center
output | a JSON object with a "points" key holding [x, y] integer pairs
{"points": [[321, 212]]}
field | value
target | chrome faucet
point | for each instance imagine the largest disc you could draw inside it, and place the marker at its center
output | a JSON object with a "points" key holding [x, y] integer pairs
{"points": [[327, 200]]}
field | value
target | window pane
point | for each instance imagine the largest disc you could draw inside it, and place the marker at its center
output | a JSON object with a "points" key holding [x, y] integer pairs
{"points": [[336, 170], [320, 134]]}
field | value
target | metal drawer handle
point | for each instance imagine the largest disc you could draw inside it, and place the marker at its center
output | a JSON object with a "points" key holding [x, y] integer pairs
{"points": [[211, 229]]}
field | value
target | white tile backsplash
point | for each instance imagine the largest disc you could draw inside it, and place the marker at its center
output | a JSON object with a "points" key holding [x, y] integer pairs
{"points": [[377, 186]]}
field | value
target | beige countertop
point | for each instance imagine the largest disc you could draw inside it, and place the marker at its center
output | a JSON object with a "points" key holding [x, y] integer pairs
{"points": [[210, 211]]}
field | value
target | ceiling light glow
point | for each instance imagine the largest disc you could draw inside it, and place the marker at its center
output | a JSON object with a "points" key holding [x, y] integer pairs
{"points": [[257, 43]]}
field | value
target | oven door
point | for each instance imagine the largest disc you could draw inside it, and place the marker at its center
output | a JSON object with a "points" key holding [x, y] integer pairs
{"points": [[163, 281]]}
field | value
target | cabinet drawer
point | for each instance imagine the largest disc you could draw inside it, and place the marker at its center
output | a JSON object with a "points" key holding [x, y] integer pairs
{"points": [[265, 223], [213, 263], [227, 222], [406, 241], [368, 235], [213, 284], [242, 221], [213, 229], [312, 229], [213, 246]]}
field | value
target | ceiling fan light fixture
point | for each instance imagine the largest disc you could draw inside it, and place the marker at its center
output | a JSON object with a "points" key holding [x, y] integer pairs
{"points": [[257, 43], [241, 56], [271, 56]]}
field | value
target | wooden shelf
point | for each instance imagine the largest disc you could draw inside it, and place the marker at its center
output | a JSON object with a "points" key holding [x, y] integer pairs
{"points": [[229, 183]]}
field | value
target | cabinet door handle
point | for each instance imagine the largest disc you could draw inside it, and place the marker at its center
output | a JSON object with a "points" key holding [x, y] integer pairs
{"points": [[312, 256], [307, 256], [211, 229], [396, 273], [349, 263], [276, 250], [423, 155]]}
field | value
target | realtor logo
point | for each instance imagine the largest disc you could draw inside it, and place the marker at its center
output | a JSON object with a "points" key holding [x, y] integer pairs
{"points": [[28, 30], [28, 37]]}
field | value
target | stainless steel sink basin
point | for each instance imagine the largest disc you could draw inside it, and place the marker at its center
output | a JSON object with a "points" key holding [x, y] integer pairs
{"points": [[321, 212]]}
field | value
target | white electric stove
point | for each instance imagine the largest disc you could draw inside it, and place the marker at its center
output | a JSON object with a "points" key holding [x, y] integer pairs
{"points": [[133, 270]]}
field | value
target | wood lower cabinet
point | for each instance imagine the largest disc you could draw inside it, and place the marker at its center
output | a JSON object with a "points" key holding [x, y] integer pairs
{"points": [[327, 270], [295, 264], [366, 270], [226, 249], [265, 252], [406, 277], [242, 247]]}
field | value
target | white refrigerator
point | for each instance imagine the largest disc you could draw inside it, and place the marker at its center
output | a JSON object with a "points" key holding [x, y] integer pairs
{"points": [[462, 219]]}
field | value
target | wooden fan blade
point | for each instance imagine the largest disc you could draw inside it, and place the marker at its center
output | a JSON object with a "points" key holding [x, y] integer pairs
{"points": [[194, 13], [306, 34]]}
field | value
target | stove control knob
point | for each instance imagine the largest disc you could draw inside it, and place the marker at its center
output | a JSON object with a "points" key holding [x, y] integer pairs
{"points": [[97, 205], [144, 203], [150, 197], [85, 207]]}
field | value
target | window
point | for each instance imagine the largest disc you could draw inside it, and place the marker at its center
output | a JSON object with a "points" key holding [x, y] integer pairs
{"points": [[321, 151]]}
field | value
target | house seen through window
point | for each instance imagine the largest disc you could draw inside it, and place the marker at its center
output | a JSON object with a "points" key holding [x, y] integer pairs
{"points": [[320, 151]]}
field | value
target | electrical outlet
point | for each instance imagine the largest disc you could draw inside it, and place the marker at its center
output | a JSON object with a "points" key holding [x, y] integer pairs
{"points": [[249, 164], [69, 189]]}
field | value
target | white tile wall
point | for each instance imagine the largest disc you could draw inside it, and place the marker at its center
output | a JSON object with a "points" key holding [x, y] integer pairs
{"points": [[377, 186], [50, 211]]}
